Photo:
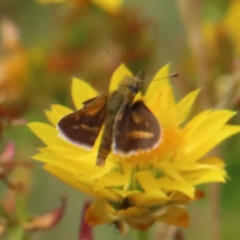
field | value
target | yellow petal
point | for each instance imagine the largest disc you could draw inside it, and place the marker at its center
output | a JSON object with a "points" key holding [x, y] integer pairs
{"points": [[117, 77], [65, 162], [57, 162], [113, 179], [155, 86], [147, 181], [57, 113], [214, 161], [136, 217], [158, 82], [206, 132], [127, 171], [170, 170], [52, 117], [175, 216], [214, 121], [194, 124], [167, 99], [60, 110], [164, 103], [78, 155], [147, 199], [201, 149], [109, 194], [102, 171], [133, 211], [69, 179], [162, 74], [180, 198], [97, 143], [168, 184], [46, 133], [211, 162], [49, 136], [184, 106], [96, 214], [139, 97], [81, 91], [206, 176], [140, 223]]}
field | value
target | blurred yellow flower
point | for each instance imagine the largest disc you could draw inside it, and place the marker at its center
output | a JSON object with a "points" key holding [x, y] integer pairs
{"points": [[111, 6], [51, 1], [150, 187], [231, 22]]}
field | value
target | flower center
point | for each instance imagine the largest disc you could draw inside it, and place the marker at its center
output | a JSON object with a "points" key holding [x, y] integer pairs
{"points": [[170, 143]]}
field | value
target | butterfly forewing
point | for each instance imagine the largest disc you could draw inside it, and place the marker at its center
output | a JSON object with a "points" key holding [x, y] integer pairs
{"points": [[136, 129], [83, 126]]}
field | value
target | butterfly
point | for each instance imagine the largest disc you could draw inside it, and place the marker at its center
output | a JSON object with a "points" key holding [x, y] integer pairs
{"points": [[129, 126]]}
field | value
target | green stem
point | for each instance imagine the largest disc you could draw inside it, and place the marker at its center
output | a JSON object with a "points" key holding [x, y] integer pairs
{"points": [[141, 235], [15, 233]]}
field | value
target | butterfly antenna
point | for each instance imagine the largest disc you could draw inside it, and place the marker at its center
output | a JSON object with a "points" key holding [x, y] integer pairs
{"points": [[173, 75], [140, 74]]}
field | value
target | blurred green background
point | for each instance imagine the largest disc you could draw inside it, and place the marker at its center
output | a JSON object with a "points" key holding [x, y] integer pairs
{"points": [[60, 41]]}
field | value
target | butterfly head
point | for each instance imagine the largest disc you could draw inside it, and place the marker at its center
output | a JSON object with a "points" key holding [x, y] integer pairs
{"points": [[132, 84]]}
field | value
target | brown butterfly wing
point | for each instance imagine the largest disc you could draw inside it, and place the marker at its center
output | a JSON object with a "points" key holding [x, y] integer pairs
{"points": [[83, 126], [136, 128]]}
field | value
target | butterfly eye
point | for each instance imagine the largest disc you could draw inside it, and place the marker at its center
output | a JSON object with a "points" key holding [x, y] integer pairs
{"points": [[134, 88]]}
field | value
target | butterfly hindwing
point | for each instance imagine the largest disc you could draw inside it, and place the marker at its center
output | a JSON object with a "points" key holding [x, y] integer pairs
{"points": [[83, 126], [136, 129]]}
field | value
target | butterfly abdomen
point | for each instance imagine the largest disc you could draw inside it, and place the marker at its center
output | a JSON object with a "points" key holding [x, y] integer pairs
{"points": [[106, 142], [114, 104]]}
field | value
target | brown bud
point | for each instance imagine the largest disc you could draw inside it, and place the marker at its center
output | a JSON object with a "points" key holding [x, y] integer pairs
{"points": [[46, 221], [85, 231], [6, 159]]}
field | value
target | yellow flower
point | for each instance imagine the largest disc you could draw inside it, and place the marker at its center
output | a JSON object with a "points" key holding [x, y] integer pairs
{"points": [[111, 6], [50, 1], [231, 21], [139, 190]]}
